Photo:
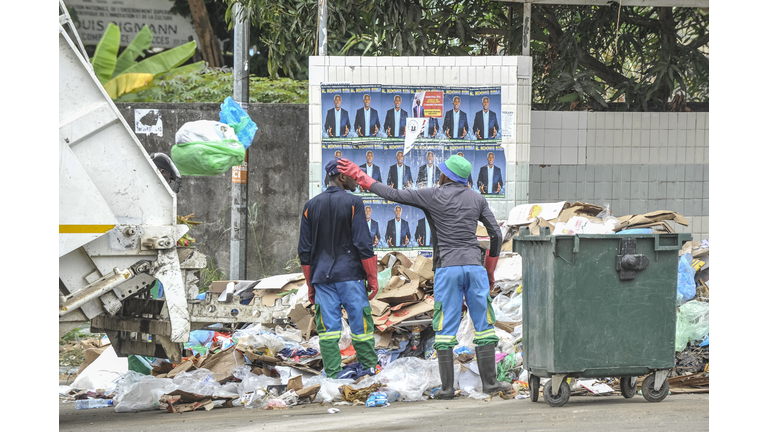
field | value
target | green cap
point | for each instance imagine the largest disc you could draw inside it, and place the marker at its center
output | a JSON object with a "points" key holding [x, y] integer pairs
{"points": [[456, 168]]}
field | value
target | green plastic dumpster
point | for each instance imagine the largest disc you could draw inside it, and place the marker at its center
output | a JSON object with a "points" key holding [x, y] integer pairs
{"points": [[599, 305]]}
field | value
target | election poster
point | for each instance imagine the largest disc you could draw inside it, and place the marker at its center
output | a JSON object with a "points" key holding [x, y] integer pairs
{"points": [[367, 124]]}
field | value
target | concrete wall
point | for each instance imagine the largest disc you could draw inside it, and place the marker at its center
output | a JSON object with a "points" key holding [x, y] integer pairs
{"points": [[512, 73], [277, 183], [635, 162]]}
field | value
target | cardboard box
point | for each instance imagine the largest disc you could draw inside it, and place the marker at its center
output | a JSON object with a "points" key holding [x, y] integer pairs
{"points": [[423, 267], [400, 314], [642, 221], [400, 290]]}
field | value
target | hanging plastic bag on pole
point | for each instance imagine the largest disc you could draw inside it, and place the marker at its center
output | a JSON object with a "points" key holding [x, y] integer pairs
{"points": [[206, 148], [238, 119]]}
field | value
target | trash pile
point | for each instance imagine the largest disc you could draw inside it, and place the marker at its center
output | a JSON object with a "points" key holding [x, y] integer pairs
{"points": [[278, 366]]}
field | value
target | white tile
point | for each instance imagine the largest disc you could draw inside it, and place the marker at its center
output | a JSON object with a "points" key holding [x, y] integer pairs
{"points": [[480, 61], [399, 61], [406, 76], [570, 120], [594, 156], [599, 138], [314, 94], [317, 61], [374, 73], [569, 138], [509, 60], [331, 75], [352, 61], [690, 138], [357, 74], [645, 120], [653, 138], [592, 138], [645, 136], [417, 75], [368, 61], [706, 139], [315, 153], [463, 61], [592, 120], [672, 155], [455, 75], [464, 77], [583, 120], [706, 155], [537, 137], [634, 156], [415, 61], [654, 155], [432, 61], [398, 75], [599, 121], [664, 121], [509, 74], [472, 76], [626, 138], [663, 138], [487, 75], [655, 120], [512, 93], [645, 155], [336, 61], [314, 115], [447, 76], [447, 61], [552, 156], [494, 60], [690, 155], [690, 122], [609, 119], [637, 120], [365, 75], [537, 155], [315, 75], [698, 155], [681, 155], [582, 156], [674, 121], [431, 75], [618, 155], [496, 79], [706, 121], [636, 138], [315, 135], [682, 137], [569, 156], [538, 119], [389, 75], [554, 120], [552, 137], [663, 156]]}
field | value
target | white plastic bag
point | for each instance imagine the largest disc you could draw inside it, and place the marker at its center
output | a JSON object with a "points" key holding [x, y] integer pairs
{"points": [[105, 370], [199, 381], [329, 388], [508, 308], [145, 394], [346, 336], [289, 333], [204, 130], [411, 377], [466, 333]]}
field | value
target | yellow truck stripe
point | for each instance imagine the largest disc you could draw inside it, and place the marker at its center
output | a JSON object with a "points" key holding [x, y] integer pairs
{"points": [[84, 229]]}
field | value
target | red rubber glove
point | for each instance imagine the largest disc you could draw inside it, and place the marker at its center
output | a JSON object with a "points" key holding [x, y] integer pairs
{"points": [[490, 267], [372, 270], [311, 293], [348, 168]]}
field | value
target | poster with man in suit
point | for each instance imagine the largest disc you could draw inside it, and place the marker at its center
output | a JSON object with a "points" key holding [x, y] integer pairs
{"points": [[373, 226], [423, 233], [398, 233], [335, 103], [486, 125], [367, 123], [489, 179], [455, 123], [429, 173], [394, 123], [399, 176]]}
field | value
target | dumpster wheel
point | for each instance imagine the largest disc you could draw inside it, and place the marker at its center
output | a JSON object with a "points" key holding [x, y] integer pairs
{"points": [[561, 398], [628, 389], [533, 385], [652, 395]]}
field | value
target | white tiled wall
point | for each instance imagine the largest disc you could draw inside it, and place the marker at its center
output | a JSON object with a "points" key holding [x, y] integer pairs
{"points": [[512, 73]]}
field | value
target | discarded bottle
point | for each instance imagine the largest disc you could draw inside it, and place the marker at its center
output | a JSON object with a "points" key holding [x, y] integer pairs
{"points": [[392, 396], [415, 337], [93, 403]]}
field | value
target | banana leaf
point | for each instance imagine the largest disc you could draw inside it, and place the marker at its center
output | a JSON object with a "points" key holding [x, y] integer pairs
{"points": [[165, 60], [105, 57], [183, 69], [124, 83], [138, 45]]}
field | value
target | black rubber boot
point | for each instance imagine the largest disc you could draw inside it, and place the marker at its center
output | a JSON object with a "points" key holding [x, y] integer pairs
{"points": [[445, 362], [486, 364]]}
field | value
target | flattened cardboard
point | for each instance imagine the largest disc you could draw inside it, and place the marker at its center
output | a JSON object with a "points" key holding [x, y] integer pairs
{"points": [[304, 320], [423, 267], [222, 363], [378, 308], [386, 339], [309, 392], [401, 314], [586, 210], [654, 216], [408, 292], [399, 259], [295, 383]]}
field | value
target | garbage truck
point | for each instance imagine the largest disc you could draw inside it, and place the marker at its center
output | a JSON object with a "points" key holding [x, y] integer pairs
{"points": [[118, 228]]}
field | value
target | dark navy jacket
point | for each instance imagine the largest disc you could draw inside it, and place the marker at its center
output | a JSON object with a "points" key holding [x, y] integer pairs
{"points": [[334, 237]]}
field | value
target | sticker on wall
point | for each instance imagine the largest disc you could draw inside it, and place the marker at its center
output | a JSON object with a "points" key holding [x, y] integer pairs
{"points": [[508, 124], [148, 121]]}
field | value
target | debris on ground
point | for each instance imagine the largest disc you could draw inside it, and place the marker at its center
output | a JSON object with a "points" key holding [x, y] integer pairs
{"points": [[275, 367]]}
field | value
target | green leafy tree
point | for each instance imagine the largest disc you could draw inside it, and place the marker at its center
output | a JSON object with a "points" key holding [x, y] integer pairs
{"points": [[584, 56], [122, 74]]}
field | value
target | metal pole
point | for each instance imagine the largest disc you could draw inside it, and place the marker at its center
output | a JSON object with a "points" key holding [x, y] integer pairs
{"points": [[526, 29], [239, 227], [322, 31]]}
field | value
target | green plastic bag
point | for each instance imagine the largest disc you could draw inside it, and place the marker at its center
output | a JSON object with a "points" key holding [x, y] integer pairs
{"points": [[207, 158], [692, 323], [139, 364], [504, 368], [384, 276]]}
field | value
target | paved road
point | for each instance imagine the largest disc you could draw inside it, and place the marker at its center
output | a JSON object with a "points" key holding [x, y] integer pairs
{"points": [[592, 413]]}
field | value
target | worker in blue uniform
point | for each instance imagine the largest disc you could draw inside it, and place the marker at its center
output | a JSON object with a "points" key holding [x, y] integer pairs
{"points": [[337, 258], [452, 211]]}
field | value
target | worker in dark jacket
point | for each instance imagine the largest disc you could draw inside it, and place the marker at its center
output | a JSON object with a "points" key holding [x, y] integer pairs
{"points": [[337, 258], [452, 211]]}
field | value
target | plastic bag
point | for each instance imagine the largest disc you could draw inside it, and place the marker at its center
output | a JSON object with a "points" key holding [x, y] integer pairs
{"points": [[508, 308], [106, 369], [329, 388], [466, 333], [384, 276], [206, 148], [609, 220], [289, 333], [235, 116], [257, 336], [411, 377], [200, 381], [692, 323], [145, 394], [686, 287], [504, 368], [346, 336]]}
